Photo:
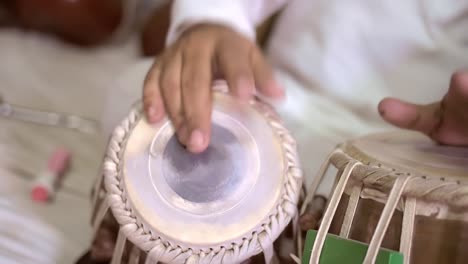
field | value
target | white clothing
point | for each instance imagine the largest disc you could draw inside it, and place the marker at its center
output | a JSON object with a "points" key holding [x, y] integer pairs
{"points": [[338, 59]]}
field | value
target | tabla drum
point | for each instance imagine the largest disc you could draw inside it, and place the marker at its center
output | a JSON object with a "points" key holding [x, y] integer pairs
{"points": [[224, 205], [399, 191]]}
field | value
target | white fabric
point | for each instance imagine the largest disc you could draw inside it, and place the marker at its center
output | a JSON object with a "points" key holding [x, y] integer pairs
{"points": [[350, 211], [39, 72], [384, 221], [241, 15], [338, 59], [407, 228]]}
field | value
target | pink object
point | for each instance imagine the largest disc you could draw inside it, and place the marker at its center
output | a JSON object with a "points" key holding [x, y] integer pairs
{"points": [[40, 194], [47, 181], [59, 161]]}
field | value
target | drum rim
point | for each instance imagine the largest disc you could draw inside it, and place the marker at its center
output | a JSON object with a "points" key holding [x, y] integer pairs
{"points": [[268, 230], [380, 175]]}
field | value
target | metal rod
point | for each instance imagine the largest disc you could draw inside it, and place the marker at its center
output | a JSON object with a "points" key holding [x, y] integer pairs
{"points": [[55, 119]]}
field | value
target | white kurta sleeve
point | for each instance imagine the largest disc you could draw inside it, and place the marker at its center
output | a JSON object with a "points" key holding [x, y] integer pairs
{"points": [[240, 15]]}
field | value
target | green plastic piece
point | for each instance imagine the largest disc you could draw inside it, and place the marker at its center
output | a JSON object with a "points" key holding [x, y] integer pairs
{"points": [[337, 250]]}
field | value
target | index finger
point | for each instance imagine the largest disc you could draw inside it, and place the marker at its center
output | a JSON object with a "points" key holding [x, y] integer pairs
{"points": [[196, 96]]}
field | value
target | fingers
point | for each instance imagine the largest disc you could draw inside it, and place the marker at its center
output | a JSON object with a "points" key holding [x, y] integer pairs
{"points": [[422, 118], [454, 128], [264, 79], [445, 122], [196, 97], [245, 70], [152, 101], [179, 84], [161, 93], [169, 82], [235, 66], [455, 104], [457, 95]]}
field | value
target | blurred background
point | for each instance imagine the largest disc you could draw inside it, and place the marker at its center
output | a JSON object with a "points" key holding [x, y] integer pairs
{"points": [[61, 56]]}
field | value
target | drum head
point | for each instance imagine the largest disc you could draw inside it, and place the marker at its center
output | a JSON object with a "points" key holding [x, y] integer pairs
{"points": [[411, 152], [211, 198]]}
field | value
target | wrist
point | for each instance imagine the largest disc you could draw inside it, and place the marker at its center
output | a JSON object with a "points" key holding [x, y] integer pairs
{"points": [[187, 15]]}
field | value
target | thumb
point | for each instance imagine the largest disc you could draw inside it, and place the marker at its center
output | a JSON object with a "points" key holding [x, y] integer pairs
{"points": [[422, 118]]}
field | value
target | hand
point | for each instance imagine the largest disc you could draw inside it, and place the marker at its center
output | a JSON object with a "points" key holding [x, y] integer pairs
{"points": [[446, 122], [179, 82]]}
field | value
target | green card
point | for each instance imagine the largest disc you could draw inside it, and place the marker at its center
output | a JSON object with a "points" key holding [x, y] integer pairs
{"points": [[338, 250]]}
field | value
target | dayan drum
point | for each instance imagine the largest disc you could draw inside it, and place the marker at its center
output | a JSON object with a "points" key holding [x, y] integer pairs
{"points": [[399, 191], [224, 205]]}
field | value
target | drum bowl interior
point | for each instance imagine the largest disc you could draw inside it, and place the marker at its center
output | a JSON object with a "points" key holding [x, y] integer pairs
{"points": [[209, 199]]}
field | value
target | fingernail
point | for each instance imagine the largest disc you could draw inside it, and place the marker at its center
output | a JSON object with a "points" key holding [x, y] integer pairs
{"points": [[152, 111], [245, 88], [381, 107], [277, 89], [381, 110], [196, 139]]}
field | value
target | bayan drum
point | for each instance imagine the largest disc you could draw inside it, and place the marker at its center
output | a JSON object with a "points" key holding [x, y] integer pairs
{"points": [[399, 191], [224, 205]]}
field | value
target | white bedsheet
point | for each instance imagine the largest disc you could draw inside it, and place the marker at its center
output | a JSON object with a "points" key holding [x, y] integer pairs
{"points": [[40, 72]]}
